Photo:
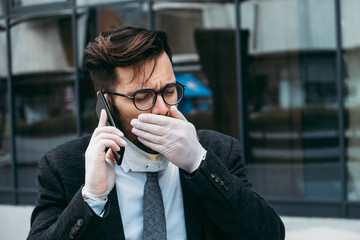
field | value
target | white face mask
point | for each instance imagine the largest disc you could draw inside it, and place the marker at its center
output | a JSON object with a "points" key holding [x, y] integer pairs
{"points": [[141, 161]]}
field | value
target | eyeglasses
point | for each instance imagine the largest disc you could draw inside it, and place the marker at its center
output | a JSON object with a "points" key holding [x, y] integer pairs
{"points": [[145, 99]]}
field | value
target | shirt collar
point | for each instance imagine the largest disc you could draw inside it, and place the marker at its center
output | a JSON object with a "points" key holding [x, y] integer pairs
{"points": [[137, 160]]}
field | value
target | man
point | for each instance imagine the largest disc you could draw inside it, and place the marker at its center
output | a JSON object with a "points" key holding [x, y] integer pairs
{"points": [[84, 194]]}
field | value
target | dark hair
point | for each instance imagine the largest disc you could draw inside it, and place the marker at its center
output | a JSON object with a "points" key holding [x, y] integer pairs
{"points": [[122, 47]]}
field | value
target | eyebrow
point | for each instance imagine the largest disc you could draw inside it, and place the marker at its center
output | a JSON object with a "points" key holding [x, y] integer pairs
{"points": [[133, 92]]}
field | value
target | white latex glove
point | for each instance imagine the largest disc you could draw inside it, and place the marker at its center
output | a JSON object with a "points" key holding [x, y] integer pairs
{"points": [[173, 137], [99, 166]]}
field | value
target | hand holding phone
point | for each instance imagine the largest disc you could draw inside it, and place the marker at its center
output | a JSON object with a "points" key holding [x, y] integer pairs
{"points": [[102, 103], [99, 165]]}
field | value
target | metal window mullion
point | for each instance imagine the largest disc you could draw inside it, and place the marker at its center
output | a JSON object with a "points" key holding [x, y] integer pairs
{"points": [[76, 69], [11, 104], [239, 77], [340, 99]]}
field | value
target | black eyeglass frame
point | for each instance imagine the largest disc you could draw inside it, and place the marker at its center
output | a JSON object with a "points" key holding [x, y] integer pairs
{"points": [[155, 96]]}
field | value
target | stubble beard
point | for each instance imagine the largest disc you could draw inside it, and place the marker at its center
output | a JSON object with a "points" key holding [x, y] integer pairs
{"points": [[126, 129]]}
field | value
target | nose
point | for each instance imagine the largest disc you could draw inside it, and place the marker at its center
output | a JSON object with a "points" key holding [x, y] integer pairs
{"points": [[160, 107]]}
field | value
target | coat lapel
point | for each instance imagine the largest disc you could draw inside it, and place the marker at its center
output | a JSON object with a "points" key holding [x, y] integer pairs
{"points": [[192, 210]]}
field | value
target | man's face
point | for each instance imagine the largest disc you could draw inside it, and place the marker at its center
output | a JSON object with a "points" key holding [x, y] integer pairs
{"points": [[128, 84]]}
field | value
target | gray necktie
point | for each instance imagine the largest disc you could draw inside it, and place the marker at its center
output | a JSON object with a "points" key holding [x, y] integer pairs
{"points": [[154, 213]]}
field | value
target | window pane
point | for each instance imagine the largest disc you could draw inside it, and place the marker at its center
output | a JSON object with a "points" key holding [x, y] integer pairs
{"points": [[204, 61], [351, 57], [3, 50], [43, 83], [291, 98], [90, 23], [6, 178], [95, 2], [2, 7], [24, 3], [197, 1]]}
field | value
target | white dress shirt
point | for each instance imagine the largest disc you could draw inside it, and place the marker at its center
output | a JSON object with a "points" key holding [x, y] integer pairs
{"points": [[130, 190]]}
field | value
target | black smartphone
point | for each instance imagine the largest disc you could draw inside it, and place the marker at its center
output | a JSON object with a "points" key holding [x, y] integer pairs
{"points": [[102, 103]]}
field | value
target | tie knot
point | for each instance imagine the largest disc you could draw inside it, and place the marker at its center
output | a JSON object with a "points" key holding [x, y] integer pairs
{"points": [[152, 174]]}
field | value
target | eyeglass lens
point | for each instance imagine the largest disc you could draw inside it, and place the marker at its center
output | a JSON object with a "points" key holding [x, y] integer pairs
{"points": [[145, 99]]}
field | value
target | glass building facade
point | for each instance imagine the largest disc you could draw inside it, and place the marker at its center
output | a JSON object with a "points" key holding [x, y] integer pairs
{"points": [[282, 76]]}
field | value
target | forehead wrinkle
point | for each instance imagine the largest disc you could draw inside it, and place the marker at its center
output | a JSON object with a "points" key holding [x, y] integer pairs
{"points": [[124, 75], [145, 76], [161, 75], [143, 72]]}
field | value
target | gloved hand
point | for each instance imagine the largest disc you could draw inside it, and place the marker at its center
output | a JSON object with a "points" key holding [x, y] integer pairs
{"points": [[173, 137], [99, 166]]}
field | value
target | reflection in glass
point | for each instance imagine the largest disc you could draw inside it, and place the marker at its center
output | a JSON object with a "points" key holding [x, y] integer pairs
{"points": [[204, 61], [90, 23], [44, 99], [3, 51], [93, 2], [25, 3], [351, 56], [42, 46], [2, 7], [290, 94], [6, 178]]}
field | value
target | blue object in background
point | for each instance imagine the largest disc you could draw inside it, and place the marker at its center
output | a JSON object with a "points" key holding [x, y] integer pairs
{"points": [[197, 97], [194, 88]]}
